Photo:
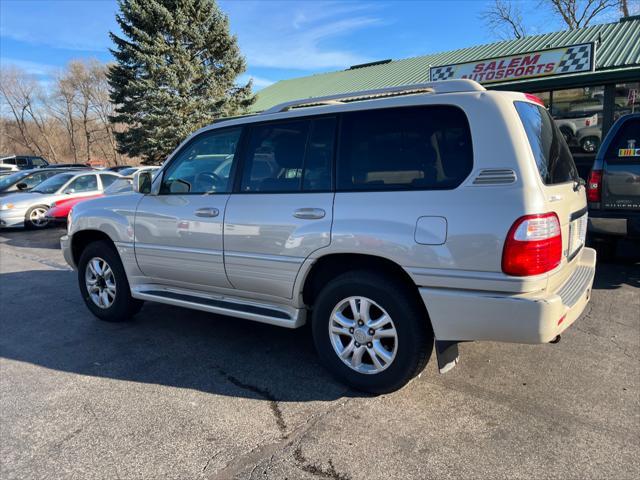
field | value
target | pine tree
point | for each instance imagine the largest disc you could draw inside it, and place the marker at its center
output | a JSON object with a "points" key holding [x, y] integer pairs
{"points": [[175, 72]]}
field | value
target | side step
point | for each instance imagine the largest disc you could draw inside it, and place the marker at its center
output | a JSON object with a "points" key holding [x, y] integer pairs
{"points": [[224, 306]]}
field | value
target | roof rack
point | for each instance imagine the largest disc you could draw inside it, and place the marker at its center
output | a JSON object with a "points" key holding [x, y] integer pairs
{"points": [[444, 86]]}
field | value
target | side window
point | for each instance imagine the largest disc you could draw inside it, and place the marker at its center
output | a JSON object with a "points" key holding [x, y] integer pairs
{"points": [[203, 165], [410, 148], [38, 162], [9, 161], [107, 179], [85, 183], [35, 179], [22, 162], [275, 157], [625, 146]]}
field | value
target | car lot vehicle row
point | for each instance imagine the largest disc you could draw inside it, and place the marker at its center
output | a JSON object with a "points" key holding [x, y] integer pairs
{"points": [[59, 210], [28, 209], [388, 218]]}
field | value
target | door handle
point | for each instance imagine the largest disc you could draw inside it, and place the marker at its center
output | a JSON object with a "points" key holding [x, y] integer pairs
{"points": [[309, 213], [207, 212]]}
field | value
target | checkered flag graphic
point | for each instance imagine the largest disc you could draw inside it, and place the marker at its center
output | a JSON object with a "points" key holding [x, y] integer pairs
{"points": [[441, 73], [575, 59]]}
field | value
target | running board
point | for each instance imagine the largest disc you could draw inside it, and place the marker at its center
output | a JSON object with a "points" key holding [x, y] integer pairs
{"points": [[293, 318]]}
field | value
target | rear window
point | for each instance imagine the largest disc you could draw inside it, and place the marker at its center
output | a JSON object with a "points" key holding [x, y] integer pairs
{"points": [[409, 148], [625, 146], [552, 155]]}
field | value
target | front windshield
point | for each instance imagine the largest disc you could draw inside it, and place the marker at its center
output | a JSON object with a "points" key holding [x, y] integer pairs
{"points": [[54, 183], [121, 185], [11, 179]]}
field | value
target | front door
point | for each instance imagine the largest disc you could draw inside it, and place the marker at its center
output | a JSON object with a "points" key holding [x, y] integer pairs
{"points": [[284, 208], [178, 231]]}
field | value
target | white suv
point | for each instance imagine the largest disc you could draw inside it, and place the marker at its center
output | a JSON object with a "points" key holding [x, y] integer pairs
{"points": [[388, 218]]}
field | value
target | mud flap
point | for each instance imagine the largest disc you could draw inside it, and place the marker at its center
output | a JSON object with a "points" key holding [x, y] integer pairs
{"points": [[447, 355]]}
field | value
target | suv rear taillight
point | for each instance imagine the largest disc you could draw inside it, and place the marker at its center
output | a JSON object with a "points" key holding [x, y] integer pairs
{"points": [[533, 245], [594, 186]]}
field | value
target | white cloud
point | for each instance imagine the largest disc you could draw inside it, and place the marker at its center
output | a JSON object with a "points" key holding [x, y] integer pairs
{"points": [[32, 68], [295, 36]]}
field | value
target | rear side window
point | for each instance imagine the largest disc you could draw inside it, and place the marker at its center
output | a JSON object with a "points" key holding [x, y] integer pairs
{"points": [[107, 179], [85, 183], [625, 146], [289, 156], [552, 155], [410, 148], [38, 162]]}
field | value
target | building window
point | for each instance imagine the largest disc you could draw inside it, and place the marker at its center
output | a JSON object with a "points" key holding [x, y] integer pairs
{"points": [[627, 99]]}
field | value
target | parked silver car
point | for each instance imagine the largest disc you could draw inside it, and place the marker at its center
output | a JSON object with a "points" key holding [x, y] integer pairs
{"points": [[28, 209], [389, 218]]}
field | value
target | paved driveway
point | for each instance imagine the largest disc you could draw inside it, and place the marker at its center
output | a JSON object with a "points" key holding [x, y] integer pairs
{"points": [[187, 395]]}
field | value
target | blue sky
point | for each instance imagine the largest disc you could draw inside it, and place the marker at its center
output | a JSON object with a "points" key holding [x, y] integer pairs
{"points": [[280, 39]]}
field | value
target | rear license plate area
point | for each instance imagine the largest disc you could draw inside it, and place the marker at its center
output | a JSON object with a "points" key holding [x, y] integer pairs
{"points": [[577, 235]]}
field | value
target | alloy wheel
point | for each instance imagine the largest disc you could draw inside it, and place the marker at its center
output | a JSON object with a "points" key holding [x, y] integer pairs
{"points": [[100, 282], [37, 217], [363, 335]]}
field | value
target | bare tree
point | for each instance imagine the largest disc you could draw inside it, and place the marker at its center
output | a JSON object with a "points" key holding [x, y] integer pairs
{"points": [[504, 18], [580, 13], [26, 102], [103, 108], [624, 8], [63, 109]]}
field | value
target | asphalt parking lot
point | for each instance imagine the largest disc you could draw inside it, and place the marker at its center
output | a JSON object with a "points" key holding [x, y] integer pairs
{"points": [[182, 394]]}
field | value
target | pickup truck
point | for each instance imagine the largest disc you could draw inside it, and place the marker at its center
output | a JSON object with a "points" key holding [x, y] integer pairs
{"points": [[613, 189], [570, 123]]}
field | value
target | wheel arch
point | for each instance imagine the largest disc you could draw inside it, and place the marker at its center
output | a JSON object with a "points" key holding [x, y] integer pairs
{"points": [[331, 265], [81, 239]]}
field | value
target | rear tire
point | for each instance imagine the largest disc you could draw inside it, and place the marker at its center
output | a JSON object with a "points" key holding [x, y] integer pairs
{"points": [[590, 144], [567, 133], [395, 330], [104, 285]]}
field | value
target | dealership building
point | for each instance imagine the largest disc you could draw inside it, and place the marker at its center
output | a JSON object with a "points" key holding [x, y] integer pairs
{"points": [[586, 77]]}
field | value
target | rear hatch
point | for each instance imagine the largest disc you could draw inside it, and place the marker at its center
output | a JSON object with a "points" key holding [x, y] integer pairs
{"points": [[621, 169], [564, 191]]}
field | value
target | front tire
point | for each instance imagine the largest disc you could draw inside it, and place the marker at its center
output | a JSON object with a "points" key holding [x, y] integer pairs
{"points": [[370, 332], [35, 217], [104, 285]]}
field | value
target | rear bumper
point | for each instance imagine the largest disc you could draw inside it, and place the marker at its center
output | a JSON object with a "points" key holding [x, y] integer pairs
{"points": [[620, 224], [524, 318]]}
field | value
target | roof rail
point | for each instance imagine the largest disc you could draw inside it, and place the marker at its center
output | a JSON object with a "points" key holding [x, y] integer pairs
{"points": [[444, 86]]}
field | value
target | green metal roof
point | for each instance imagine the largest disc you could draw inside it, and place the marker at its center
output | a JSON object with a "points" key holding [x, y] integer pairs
{"points": [[618, 47]]}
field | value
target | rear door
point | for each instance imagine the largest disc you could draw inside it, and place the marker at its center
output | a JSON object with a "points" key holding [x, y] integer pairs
{"points": [[565, 194], [284, 207], [621, 175]]}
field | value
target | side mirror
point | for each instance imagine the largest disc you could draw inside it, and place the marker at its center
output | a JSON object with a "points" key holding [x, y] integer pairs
{"points": [[22, 186], [142, 182]]}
